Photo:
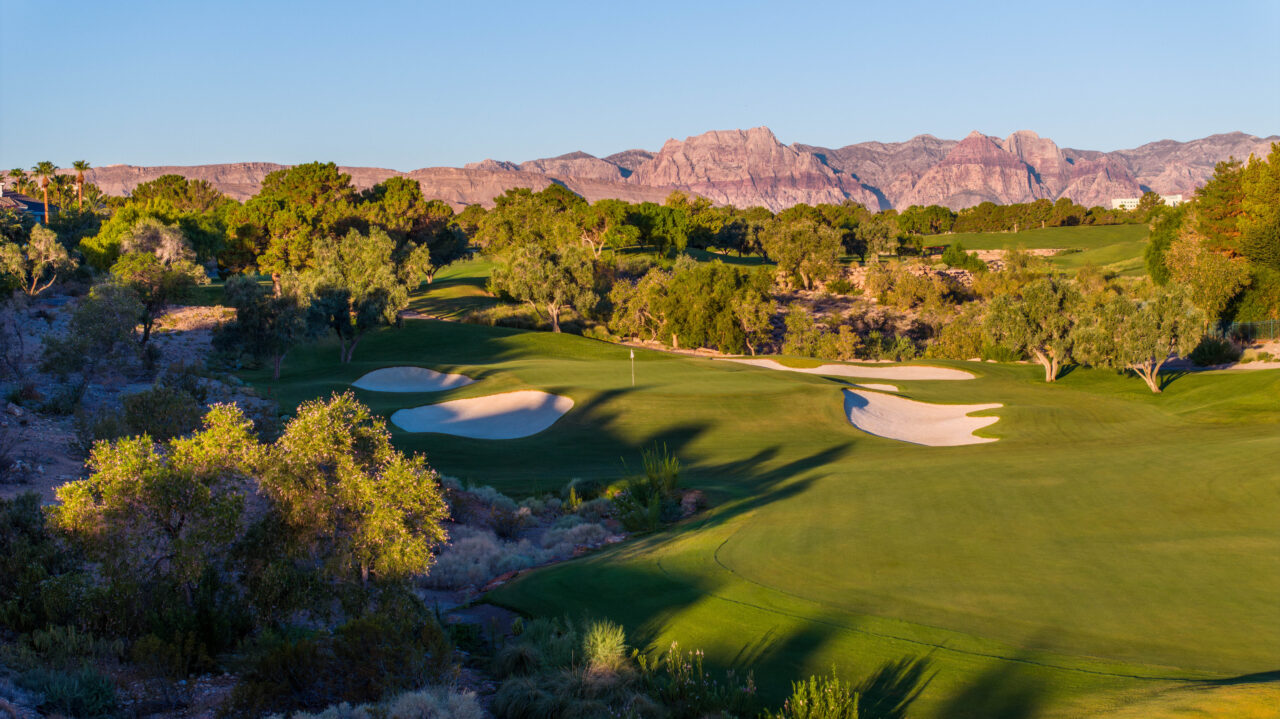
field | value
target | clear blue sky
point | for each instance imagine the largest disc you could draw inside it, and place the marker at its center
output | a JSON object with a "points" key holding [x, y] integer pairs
{"points": [[415, 84]]}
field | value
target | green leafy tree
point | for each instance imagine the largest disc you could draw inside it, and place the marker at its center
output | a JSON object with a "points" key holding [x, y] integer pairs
{"points": [[197, 196], [36, 265], [1212, 278], [266, 326], [154, 517], [1142, 335], [1218, 206], [522, 218], [295, 209], [1259, 223], [1039, 322], [156, 283], [806, 251], [1166, 226], [357, 284], [397, 206], [553, 280], [352, 503]]}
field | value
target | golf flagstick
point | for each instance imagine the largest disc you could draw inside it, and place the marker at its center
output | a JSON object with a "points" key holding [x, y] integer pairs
{"points": [[633, 368]]}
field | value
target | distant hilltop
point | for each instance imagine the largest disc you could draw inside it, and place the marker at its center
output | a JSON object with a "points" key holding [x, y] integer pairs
{"points": [[751, 167]]}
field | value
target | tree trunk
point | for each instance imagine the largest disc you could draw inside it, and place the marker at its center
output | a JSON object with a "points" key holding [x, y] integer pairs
{"points": [[349, 352], [275, 283], [1149, 371], [46, 204], [80, 195], [675, 341], [276, 361], [554, 311], [1050, 365], [146, 331]]}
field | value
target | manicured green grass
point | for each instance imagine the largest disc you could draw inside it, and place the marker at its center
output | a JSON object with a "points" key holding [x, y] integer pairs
{"points": [[1115, 248], [456, 290], [1110, 544]]}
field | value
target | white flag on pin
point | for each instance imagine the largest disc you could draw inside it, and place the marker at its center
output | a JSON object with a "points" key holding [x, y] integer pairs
{"points": [[633, 354]]}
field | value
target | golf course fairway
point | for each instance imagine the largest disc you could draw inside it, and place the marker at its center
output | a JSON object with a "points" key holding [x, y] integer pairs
{"points": [[1111, 547]]}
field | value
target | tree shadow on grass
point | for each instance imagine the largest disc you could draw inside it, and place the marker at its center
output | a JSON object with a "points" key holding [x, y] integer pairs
{"points": [[1006, 690]]}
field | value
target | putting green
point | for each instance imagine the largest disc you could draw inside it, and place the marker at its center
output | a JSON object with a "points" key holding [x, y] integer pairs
{"points": [[1111, 544]]}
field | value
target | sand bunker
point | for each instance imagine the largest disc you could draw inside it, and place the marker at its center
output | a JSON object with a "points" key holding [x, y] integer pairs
{"points": [[410, 379], [881, 387], [847, 370], [935, 425], [498, 416]]}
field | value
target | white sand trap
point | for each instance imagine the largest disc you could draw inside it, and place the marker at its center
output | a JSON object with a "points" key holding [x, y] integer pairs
{"points": [[410, 379], [881, 387], [497, 416], [848, 370], [906, 420]]}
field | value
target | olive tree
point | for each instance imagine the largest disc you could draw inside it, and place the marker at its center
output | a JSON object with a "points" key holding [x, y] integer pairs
{"points": [[1141, 335], [100, 331], [358, 283], [266, 326], [157, 283], [1037, 321], [353, 504], [807, 252], [36, 265], [550, 279]]}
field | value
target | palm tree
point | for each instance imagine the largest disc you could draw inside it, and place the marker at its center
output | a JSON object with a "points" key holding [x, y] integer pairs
{"points": [[45, 170], [19, 177], [80, 166]]}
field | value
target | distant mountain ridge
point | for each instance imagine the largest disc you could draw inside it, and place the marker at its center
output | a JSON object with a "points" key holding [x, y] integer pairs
{"points": [[751, 167]]}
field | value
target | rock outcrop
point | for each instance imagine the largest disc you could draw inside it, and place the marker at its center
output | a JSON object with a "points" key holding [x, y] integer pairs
{"points": [[746, 168], [976, 170], [751, 167], [576, 165]]}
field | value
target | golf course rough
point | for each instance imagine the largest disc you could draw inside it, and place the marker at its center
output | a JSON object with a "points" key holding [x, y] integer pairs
{"points": [[410, 379], [509, 415], [899, 372]]}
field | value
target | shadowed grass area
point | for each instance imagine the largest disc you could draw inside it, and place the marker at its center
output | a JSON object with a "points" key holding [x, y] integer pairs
{"points": [[1111, 544], [456, 290]]}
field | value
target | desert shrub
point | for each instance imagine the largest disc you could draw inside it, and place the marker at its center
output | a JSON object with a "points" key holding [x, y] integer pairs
{"points": [[25, 395], [516, 660], [819, 697], [585, 489], [604, 646], [281, 671], [802, 333], [39, 579], [526, 698], [841, 286], [84, 693], [841, 344], [94, 427], [64, 400], [999, 353], [594, 510], [60, 647], [958, 337], [1214, 351], [639, 508], [507, 524], [398, 647], [955, 256], [520, 316], [178, 657], [678, 680], [555, 639], [163, 411], [493, 498]]}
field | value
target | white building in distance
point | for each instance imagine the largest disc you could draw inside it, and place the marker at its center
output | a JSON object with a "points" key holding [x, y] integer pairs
{"points": [[1130, 203]]}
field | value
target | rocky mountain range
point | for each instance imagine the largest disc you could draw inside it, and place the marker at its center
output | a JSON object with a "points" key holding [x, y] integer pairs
{"points": [[752, 167]]}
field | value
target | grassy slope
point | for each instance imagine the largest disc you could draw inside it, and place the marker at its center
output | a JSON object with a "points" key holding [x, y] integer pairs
{"points": [[1110, 534], [1114, 247]]}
